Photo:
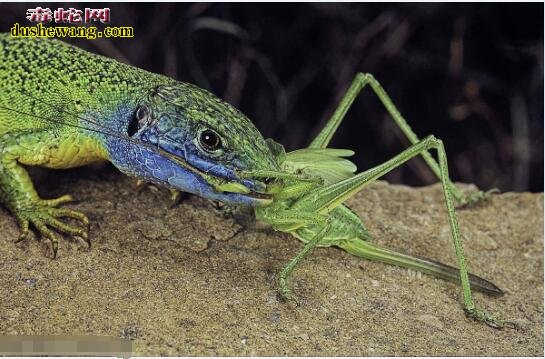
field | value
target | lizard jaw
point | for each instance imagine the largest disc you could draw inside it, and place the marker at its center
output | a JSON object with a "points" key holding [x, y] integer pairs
{"points": [[241, 189], [262, 198]]}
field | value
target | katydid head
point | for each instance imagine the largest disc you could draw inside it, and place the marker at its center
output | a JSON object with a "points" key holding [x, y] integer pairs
{"points": [[287, 182], [186, 138]]}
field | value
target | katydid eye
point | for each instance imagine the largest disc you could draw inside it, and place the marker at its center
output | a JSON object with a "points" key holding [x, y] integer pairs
{"points": [[210, 140]]}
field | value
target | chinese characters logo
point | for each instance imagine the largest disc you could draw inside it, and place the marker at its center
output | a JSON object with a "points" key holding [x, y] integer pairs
{"points": [[71, 16]]}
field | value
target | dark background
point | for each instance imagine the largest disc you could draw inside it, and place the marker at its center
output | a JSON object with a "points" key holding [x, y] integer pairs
{"points": [[471, 74]]}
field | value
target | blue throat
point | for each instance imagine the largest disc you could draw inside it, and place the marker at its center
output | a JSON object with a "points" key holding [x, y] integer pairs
{"points": [[150, 165]]}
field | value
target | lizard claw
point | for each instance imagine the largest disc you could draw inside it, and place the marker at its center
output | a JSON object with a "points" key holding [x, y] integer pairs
{"points": [[43, 215]]}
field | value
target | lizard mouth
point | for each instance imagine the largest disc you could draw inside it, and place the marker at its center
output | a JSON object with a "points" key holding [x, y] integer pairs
{"points": [[261, 196], [249, 189], [244, 186]]}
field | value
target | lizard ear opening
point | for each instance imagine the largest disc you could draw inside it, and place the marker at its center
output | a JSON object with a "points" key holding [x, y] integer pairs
{"points": [[140, 119]]}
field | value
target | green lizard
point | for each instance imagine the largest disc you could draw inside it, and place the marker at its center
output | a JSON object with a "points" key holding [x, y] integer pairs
{"points": [[62, 107]]}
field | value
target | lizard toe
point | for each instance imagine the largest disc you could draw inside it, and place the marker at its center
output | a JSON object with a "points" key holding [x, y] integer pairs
{"points": [[41, 226], [66, 228], [142, 185], [79, 231], [23, 225], [64, 212], [175, 197], [57, 201]]}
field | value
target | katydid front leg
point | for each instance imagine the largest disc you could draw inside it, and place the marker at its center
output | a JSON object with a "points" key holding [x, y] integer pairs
{"points": [[359, 82], [285, 291], [325, 199]]}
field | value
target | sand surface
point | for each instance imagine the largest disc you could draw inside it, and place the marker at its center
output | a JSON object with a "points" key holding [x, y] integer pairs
{"points": [[195, 280]]}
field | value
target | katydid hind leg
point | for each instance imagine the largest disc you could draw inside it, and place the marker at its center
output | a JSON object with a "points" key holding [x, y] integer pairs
{"points": [[406, 129], [326, 133], [374, 252], [329, 197], [360, 81]]}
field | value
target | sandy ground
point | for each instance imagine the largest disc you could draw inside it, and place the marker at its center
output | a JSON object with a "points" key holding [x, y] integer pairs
{"points": [[193, 280]]}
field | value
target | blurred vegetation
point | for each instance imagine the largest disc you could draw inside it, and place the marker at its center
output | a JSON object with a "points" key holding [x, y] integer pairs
{"points": [[471, 74]]}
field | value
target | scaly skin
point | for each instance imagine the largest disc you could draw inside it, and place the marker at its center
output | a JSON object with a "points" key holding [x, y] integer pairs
{"points": [[62, 107]]}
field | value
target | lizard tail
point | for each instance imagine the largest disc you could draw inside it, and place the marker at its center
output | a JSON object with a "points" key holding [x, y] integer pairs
{"points": [[367, 250]]}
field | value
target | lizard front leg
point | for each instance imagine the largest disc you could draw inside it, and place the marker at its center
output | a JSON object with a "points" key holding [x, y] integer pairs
{"points": [[175, 195], [17, 192]]}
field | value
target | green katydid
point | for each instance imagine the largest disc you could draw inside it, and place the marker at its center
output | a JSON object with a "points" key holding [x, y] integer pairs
{"points": [[313, 210]]}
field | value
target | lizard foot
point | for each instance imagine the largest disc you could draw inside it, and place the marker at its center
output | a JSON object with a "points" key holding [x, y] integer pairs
{"points": [[473, 198], [175, 195], [43, 214]]}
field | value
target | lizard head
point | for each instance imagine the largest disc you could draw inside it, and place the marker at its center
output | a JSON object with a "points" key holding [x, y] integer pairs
{"points": [[184, 137]]}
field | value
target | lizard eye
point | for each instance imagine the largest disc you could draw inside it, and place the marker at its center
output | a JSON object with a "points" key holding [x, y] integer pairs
{"points": [[209, 140], [140, 119]]}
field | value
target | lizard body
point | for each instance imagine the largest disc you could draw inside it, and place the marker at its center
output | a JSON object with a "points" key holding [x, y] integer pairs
{"points": [[62, 107]]}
